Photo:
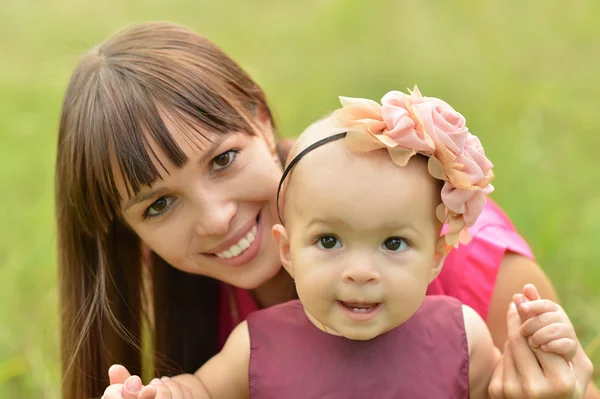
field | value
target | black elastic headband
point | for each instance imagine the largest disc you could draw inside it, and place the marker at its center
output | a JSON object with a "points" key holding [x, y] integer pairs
{"points": [[299, 157]]}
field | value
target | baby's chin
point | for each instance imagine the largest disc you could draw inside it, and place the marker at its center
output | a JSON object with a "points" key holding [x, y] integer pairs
{"points": [[363, 334]]}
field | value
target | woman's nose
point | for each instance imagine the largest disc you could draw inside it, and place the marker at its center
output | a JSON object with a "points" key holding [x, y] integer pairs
{"points": [[214, 215]]}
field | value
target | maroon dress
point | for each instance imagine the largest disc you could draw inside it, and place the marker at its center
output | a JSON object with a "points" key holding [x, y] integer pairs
{"points": [[426, 357]]}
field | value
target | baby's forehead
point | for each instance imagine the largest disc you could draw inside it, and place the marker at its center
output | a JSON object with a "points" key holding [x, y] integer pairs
{"points": [[333, 180], [318, 130]]}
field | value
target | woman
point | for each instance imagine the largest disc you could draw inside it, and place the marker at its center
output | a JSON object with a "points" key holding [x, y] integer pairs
{"points": [[165, 143]]}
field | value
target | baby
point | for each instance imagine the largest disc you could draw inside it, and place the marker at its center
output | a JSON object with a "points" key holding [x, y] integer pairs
{"points": [[363, 202]]}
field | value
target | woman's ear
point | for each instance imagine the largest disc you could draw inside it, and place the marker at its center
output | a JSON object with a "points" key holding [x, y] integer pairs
{"points": [[281, 237], [266, 130]]}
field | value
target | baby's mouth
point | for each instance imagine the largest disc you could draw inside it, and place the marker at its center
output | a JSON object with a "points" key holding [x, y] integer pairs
{"points": [[361, 307]]}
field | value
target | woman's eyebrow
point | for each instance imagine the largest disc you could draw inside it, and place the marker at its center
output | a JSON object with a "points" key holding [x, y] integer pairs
{"points": [[212, 147], [143, 196]]}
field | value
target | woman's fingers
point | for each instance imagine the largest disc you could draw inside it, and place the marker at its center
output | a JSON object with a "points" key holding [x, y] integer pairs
{"points": [[496, 387], [518, 300], [162, 391], [132, 387], [148, 392], [129, 390], [114, 391], [511, 384], [117, 374], [560, 375], [524, 359]]}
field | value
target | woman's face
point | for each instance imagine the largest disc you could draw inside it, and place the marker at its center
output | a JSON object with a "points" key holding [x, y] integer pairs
{"points": [[214, 215]]}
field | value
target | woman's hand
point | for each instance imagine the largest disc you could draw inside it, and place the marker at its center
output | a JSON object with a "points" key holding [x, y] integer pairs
{"points": [[526, 372], [125, 386], [546, 324]]}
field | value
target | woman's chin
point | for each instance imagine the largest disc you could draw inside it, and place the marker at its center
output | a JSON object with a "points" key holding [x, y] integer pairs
{"points": [[256, 278]]}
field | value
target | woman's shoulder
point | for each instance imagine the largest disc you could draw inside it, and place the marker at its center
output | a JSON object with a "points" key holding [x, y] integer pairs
{"points": [[495, 228]]}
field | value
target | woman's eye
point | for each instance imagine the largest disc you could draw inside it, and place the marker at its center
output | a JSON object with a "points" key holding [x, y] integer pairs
{"points": [[224, 160], [395, 244], [328, 242], [158, 207]]}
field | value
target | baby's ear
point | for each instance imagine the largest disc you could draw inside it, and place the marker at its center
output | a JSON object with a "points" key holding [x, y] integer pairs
{"points": [[281, 237], [441, 250]]}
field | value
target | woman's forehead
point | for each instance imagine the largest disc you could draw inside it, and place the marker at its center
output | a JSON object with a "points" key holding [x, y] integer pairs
{"points": [[192, 138]]}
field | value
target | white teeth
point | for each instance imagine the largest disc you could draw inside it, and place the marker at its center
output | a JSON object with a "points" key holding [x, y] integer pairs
{"points": [[240, 246], [225, 254], [236, 250], [360, 310]]}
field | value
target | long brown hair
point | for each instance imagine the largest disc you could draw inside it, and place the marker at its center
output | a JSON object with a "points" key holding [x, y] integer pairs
{"points": [[109, 114]]}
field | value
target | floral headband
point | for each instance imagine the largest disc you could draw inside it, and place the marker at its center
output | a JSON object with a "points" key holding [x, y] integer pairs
{"points": [[412, 124]]}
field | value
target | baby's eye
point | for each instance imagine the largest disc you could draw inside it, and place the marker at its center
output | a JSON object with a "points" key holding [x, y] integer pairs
{"points": [[395, 244], [328, 242]]}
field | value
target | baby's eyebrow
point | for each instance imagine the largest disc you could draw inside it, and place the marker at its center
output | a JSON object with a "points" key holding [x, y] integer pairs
{"points": [[340, 222], [326, 222], [410, 226]]}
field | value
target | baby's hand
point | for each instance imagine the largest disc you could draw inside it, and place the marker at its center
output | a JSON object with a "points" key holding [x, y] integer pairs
{"points": [[546, 324]]}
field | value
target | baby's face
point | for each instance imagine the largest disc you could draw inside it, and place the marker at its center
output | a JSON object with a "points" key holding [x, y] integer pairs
{"points": [[362, 237]]}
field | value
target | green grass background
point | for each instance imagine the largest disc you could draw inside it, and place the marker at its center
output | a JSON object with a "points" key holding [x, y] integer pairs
{"points": [[525, 74]]}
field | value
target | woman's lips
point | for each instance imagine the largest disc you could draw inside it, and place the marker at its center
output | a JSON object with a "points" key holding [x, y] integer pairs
{"points": [[245, 249]]}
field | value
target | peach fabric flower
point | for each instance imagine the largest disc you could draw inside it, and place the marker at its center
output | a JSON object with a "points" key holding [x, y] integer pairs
{"points": [[407, 124]]}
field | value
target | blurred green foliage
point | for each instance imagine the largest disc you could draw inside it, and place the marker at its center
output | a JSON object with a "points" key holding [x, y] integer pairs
{"points": [[523, 73]]}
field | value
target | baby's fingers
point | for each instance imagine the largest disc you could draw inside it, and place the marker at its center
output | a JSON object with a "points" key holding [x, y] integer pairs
{"points": [[534, 324], [566, 347], [531, 292], [537, 307], [551, 332]]}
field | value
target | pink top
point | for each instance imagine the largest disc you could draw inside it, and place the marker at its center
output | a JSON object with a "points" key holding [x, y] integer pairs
{"points": [[469, 272], [291, 358]]}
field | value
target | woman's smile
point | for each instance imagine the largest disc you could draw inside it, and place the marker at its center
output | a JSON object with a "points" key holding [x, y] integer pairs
{"points": [[242, 247]]}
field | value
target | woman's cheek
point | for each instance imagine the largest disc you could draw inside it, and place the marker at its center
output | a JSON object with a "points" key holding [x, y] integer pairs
{"points": [[168, 242], [258, 185]]}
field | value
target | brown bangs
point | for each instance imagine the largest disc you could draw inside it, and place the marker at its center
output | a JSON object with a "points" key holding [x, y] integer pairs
{"points": [[115, 100]]}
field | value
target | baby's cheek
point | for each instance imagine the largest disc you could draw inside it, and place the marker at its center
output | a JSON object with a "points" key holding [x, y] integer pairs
{"points": [[403, 305]]}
